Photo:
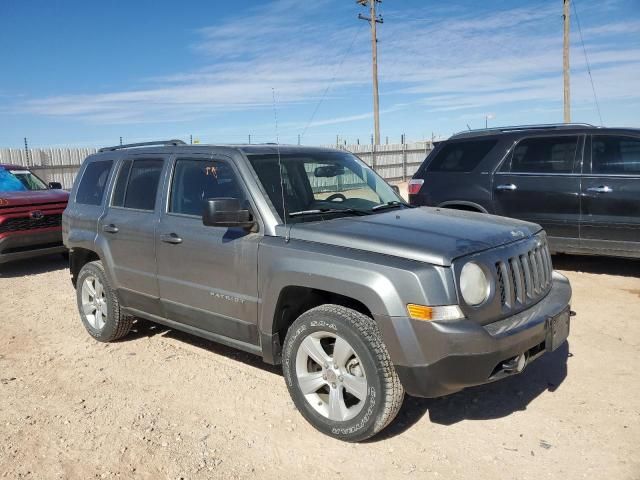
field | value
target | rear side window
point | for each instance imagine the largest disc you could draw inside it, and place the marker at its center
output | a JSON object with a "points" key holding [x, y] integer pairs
{"points": [[137, 184], [615, 155], [461, 156], [93, 183], [121, 184], [545, 155]]}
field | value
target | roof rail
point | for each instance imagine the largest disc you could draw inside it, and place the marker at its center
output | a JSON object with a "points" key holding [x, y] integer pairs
{"points": [[515, 128], [165, 143]]}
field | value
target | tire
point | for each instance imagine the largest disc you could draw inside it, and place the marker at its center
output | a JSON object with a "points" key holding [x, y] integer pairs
{"points": [[358, 394], [100, 312]]}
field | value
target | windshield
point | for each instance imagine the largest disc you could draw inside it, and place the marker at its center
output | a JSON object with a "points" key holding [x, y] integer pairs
{"points": [[19, 181], [321, 185]]}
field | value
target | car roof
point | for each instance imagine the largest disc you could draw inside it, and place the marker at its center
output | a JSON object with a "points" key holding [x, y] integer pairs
{"points": [[522, 130], [247, 149]]}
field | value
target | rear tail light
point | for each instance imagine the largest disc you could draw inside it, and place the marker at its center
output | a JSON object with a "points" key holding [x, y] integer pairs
{"points": [[415, 184]]}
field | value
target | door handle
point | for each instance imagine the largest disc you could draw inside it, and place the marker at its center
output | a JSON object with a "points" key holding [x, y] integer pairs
{"points": [[172, 238], [510, 187], [600, 189], [111, 228]]}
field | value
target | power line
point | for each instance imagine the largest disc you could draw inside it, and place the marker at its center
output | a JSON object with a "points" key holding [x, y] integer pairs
{"points": [[335, 75], [586, 59]]}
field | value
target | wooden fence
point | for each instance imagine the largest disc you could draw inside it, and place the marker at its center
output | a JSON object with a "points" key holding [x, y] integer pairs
{"points": [[393, 162], [50, 164], [397, 162]]}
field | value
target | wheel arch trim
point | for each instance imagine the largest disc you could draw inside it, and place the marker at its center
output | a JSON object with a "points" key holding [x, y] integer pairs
{"points": [[464, 203]]}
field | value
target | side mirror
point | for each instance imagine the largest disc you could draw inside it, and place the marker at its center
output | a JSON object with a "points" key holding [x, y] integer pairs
{"points": [[55, 185], [226, 212], [396, 189]]}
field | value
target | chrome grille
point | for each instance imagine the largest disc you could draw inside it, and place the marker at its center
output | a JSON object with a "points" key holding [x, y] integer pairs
{"points": [[523, 279], [25, 223]]}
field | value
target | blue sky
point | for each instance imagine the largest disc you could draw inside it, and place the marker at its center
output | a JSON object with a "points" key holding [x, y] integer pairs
{"points": [[85, 73]]}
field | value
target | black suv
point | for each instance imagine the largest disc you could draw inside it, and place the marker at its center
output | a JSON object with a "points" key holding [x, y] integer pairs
{"points": [[580, 182]]}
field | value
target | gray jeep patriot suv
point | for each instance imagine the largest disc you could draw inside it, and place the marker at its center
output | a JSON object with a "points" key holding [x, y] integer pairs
{"points": [[306, 257]]}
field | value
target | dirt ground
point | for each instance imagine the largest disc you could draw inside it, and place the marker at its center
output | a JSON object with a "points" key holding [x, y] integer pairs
{"points": [[164, 405], [161, 404]]}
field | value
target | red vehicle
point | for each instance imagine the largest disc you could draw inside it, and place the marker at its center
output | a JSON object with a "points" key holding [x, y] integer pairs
{"points": [[30, 214]]}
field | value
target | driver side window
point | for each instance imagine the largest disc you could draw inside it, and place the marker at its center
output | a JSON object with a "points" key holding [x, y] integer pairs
{"points": [[196, 181]]}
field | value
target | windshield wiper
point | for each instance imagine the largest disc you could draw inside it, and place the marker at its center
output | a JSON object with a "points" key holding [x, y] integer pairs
{"points": [[383, 206], [321, 211]]}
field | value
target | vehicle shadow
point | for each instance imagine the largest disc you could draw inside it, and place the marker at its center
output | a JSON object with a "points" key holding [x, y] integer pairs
{"points": [[486, 402], [33, 266], [626, 267], [146, 329]]}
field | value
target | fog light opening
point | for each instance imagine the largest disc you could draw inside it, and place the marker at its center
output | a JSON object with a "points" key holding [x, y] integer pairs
{"points": [[515, 364]]}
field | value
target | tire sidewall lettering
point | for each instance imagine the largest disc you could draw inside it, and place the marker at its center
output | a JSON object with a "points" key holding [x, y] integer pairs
{"points": [[367, 418]]}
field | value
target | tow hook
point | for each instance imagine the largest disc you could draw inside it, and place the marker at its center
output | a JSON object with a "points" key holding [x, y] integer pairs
{"points": [[516, 364]]}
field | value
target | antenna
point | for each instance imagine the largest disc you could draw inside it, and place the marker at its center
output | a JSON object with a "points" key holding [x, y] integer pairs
{"points": [[275, 116]]}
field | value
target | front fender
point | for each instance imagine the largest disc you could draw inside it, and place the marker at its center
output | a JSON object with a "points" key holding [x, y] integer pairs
{"points": [[384, 284]]}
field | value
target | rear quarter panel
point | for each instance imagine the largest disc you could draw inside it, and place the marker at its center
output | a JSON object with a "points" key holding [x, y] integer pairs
{"points": [[80, 222]]}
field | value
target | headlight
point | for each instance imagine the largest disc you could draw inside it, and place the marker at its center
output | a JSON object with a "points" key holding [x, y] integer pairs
{"points": [[474, 284]]}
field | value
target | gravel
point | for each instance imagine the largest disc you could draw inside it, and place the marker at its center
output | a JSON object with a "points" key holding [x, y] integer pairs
{"points": [[162, 404]]}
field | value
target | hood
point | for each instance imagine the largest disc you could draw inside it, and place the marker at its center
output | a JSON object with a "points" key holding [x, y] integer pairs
{"points": [[432, 235], [32, 198]]}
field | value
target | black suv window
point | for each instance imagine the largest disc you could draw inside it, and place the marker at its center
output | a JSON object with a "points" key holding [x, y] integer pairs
{"points": [[461, 156], [615, 155], [93, 183], [195, 181], [545, 155], [137, 184]]}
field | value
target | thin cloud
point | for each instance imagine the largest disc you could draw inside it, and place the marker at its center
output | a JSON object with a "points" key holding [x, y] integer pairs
{"points": [[444, 63]]}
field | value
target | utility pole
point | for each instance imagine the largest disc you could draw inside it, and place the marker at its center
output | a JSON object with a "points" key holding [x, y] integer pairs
{"points": [[565, 63], [373, 20]]}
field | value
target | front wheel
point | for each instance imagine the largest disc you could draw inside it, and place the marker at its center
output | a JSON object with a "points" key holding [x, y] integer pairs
{"points": [[339, 373]]}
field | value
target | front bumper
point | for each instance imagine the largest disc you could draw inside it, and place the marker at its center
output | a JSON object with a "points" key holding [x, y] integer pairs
{"points": [[438, 358], [20, 245]]}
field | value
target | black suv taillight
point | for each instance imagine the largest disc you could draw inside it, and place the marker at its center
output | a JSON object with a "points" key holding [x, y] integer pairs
{"points": [[415, 184]]}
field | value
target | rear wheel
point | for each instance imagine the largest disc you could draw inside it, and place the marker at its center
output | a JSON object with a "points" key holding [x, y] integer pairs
{"points": [[99, 306], [339, 373]]}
